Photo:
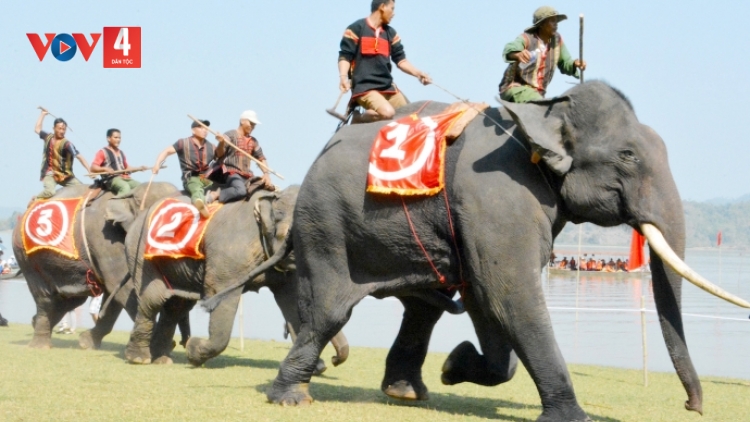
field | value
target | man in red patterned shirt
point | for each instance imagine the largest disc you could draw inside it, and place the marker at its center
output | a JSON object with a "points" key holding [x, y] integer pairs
{"points": [[233, 167]]}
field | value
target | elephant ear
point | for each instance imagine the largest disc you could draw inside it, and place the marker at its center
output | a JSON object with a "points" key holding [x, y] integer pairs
{"points": [[544, 128], [121, 212], [265, 216]]}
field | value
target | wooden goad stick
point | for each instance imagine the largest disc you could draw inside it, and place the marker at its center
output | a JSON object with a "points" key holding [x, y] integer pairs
{"points": [[580, 46], [116, 172], [44, 109], [258, 162]]}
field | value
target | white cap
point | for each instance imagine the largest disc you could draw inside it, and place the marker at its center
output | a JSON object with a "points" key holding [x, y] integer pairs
{"points": [[250, 115]]}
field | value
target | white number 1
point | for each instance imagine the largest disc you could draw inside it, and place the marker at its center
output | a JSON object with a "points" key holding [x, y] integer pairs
{"points": [[399, 134], [121, 43]]}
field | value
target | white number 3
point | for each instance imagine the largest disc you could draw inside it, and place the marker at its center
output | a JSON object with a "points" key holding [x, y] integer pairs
{"points": [[121, 43]]}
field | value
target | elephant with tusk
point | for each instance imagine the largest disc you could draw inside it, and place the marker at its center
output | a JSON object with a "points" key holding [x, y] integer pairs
{"points": [[597, 164]]}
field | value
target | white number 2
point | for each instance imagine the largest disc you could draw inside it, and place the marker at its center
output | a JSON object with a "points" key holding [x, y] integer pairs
{"points": [[121, 43], [400, 132], [168, 230], [45, 223]]}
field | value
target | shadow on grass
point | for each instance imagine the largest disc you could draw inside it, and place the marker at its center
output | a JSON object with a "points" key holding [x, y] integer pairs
{"points": [[741, 384], [447, 403]]}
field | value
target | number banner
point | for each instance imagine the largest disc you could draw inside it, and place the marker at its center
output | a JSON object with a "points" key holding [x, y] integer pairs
{"points": [[408, 155], [175, 230], [48, 224]]}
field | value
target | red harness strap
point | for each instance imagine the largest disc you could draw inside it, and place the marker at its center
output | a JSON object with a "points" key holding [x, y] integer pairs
{"points": [[94, 285]]}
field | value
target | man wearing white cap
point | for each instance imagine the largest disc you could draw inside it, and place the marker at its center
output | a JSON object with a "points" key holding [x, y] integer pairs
{"points": [[234, 167]]}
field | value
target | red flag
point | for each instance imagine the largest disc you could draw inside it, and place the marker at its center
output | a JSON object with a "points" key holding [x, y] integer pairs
{"points": [[718, 239], [636, 259]]}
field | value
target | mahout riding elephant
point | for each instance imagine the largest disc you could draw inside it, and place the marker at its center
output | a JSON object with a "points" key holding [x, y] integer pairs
{"points": [[597, 164], [238, 239], [60, 284]]}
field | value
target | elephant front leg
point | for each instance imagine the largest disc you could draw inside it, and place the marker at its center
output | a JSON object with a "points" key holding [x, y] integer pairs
{"points": [[516, 322], [403, 366], [219, 332]]}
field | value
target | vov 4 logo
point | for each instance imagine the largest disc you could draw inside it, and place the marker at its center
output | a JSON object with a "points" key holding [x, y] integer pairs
{"points": [[122, 46]]}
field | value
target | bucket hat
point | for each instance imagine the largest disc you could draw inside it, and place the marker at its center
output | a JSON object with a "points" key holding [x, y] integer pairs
{"points": [[542, 13]]}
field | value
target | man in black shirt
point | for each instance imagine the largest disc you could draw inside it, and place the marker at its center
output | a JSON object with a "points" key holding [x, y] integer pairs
{"points": [[367, 48]]}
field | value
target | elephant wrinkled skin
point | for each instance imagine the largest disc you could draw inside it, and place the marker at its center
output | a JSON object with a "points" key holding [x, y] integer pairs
{"points": [[58, 284], [598, 164], [233, 249]]}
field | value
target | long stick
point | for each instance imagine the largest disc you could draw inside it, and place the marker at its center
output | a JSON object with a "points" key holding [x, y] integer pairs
{"points": [[44, 109], [236, 148], [148, 188], [136, 170], [580, 46]]}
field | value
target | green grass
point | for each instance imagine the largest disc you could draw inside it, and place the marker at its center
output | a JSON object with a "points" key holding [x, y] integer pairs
{"points": [[68, 384]]}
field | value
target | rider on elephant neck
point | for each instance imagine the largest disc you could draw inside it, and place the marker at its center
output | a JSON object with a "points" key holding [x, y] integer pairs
{"points": [[233, 167], [365, 55], [532, 58], [110, 159], [57, 167]]}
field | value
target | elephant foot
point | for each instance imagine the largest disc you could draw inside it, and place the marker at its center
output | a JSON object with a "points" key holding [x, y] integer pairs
{"points": [[87, 341], [184, 341], [137, 355], [550, 418], [39, 342], [455, 366], [403, 390], [294, 395], [174, 344], [164, 360], [320, 368], [194, 355]]}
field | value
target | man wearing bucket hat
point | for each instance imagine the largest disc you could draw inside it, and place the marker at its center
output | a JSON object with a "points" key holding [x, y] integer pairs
{"points": [[233, 168], [532, 58], [195, 152]]}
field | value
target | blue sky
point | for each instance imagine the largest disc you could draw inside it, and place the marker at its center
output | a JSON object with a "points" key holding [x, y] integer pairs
{"points": [[216, 59]]}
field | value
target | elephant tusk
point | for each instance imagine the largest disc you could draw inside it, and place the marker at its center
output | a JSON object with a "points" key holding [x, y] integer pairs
{"points": [[659, 244]]}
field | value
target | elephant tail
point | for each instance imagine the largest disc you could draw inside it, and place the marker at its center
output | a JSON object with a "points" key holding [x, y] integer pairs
{"points": [[213, 302]]}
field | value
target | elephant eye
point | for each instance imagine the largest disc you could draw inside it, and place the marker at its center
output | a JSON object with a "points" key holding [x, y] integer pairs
{"points": [[629, 156]]}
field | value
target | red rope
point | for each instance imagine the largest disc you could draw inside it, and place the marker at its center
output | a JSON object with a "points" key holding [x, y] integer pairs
{"points": [[93, 283], [455, 243], [441, 278]]}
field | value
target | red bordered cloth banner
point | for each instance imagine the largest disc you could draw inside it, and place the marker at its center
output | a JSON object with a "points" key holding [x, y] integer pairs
{"points": [[48, 224], [175, 230], [408, 155]]}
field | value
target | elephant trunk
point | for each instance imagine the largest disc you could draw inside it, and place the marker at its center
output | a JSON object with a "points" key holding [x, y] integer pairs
{"points": [[341, 344], [667, 287]]}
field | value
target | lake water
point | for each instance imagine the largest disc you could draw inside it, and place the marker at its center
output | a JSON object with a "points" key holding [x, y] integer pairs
{"points": [[604, 330]]}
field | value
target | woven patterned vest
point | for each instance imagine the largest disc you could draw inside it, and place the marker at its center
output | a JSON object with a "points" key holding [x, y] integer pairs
{"points": [[539, 74]]}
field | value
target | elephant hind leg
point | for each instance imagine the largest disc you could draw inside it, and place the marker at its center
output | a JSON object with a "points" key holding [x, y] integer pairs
{"points": [[153, 296], [162, 342], [320, 323], [92, 339], [49, 312]]}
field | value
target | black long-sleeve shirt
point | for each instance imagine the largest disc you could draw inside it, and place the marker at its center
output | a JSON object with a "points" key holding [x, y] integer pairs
{"points": [[370, 51]]}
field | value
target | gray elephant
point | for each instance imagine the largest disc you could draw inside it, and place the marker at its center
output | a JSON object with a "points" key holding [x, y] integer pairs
{"points": [[60, 284], [238, 239], [598, 164]]}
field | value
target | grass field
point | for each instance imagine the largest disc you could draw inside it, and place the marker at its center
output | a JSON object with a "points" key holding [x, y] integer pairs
{"points": [[69, 384]]}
